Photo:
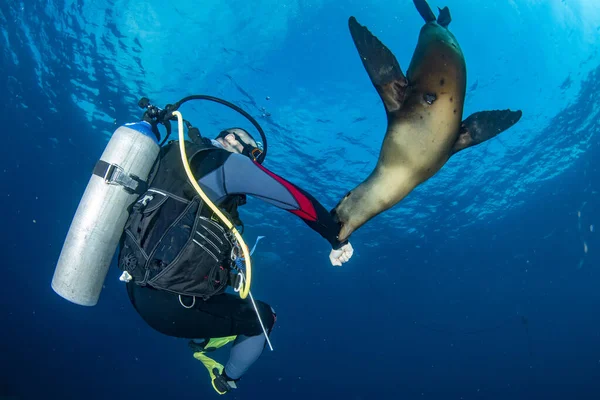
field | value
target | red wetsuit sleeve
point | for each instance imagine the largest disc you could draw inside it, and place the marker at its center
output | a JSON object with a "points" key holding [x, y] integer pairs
{"points": [[243, 176]]}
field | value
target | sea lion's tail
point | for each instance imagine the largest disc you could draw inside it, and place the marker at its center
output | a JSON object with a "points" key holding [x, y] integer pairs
{"points": [[443, 19], [424, 10]]}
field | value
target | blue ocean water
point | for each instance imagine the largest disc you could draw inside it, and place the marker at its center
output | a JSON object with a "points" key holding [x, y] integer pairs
{"points": [[482, 284]]}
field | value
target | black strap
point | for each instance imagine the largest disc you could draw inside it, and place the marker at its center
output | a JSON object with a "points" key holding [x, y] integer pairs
{"points": [[100, 168], [234, 279], [114, 174]]}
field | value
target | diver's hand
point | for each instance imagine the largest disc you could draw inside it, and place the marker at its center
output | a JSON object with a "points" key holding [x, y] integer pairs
{"points": [[338, 257]]}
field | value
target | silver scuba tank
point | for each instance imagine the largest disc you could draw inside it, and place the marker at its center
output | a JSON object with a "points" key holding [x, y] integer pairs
{"points": [[117, 181]]}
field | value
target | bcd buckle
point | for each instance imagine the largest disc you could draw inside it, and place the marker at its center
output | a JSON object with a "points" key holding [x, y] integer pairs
{"points": [[235, 280]]}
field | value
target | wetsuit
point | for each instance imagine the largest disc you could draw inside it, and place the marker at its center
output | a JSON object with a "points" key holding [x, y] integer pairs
{"points": [[222, 174]]}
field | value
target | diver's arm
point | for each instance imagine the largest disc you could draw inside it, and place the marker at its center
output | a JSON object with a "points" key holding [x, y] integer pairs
{"points": [[244, 176]]}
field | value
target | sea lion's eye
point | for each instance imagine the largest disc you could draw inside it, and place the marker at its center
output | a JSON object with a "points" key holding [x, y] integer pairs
{"points": [[429, 98]]}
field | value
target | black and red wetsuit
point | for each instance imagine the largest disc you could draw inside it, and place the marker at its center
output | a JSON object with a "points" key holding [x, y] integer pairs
{"points": [[224, 174], [221, 175]]}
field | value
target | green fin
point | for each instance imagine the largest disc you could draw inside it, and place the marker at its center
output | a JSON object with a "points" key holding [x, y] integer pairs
{"points": [[215, 343], [381, 65], [214, 368], [424, 9], [210, 344], [484, 125], [444, 17]]}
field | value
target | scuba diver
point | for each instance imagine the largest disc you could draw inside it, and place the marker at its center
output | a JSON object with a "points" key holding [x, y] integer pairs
{"points": [[176, 254], [172, 211]]}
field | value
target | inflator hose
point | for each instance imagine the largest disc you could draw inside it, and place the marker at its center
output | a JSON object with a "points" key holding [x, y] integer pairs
{"points": [[247, 276]]}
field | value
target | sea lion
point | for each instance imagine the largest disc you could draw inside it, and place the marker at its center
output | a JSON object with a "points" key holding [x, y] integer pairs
{"points": [[424, 111]]}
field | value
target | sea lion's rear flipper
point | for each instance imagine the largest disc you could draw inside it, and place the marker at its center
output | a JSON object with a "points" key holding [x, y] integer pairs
{"points": [[381, 65], [484, 125], [444, 17], [424, 9]]}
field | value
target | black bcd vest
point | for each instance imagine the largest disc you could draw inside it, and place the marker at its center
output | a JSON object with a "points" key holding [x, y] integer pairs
{"points": [[172, 241]]}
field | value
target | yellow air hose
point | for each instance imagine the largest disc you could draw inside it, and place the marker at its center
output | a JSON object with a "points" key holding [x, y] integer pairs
{"points": [[247, 275]]}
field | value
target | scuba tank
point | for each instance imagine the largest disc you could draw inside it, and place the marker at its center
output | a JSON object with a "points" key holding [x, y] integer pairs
{"points": [[117, 181]]}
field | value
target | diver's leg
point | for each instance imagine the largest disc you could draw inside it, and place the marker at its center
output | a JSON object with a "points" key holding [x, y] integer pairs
{"points": [[222, 315], [248, 346], [163, 312], [245, 351]]}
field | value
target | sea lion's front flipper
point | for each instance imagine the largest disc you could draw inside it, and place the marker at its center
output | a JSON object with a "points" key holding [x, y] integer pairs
{"points": [[484, 125], [381, 65]]}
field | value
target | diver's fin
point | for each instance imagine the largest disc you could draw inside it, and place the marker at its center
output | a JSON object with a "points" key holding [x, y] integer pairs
{"points": [[198, 346], [210, 344], [444, 17], [220, 382], [424, 10], [216, 371], [381, 65], [484, 125]]}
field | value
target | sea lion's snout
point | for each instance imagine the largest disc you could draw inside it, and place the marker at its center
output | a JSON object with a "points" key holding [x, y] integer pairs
{"points": [[341, 215], [337, 213]]}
